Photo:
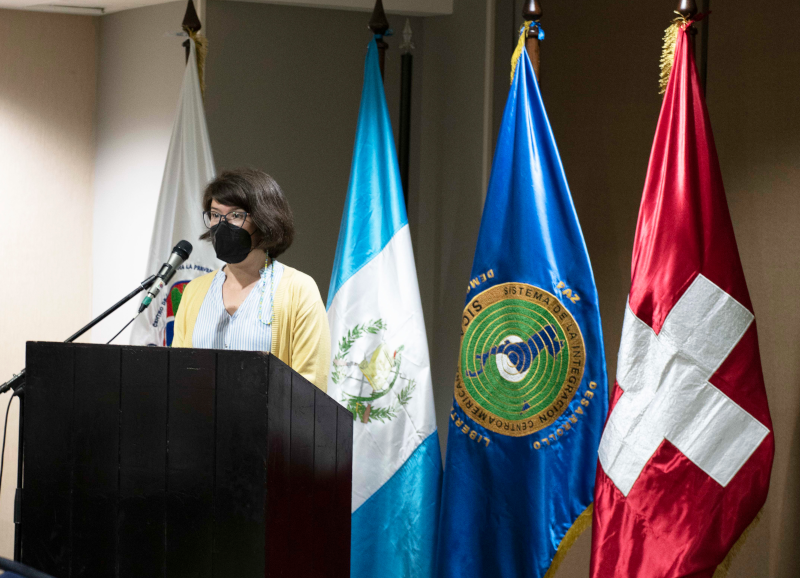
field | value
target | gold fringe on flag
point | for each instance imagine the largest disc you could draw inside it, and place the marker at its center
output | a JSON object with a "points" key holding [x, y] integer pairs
{"points": [[722, 569], [520, 47], [583, 522], [668, 51], [201, 50]]}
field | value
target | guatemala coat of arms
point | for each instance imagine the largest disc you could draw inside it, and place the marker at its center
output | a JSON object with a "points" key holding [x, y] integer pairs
{"points": [[377, 374]]}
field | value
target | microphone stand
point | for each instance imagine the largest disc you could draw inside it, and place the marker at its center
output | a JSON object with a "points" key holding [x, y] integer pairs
{"points": [[17, 383]]}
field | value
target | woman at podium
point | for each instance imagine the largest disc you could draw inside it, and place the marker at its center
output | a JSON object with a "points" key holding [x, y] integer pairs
{"points": [[254, 303]]}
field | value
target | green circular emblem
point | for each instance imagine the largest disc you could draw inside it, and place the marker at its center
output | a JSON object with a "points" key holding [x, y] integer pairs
{"points": [[522, 359]]}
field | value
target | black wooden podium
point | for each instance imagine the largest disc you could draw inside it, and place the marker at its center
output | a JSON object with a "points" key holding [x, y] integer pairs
{"points": [[153, 462]]}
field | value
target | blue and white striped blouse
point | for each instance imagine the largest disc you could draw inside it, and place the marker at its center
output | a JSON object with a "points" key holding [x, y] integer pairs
{"points": [[250, 327]]}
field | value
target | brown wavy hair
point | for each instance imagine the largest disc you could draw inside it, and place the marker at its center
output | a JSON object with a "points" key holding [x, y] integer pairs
{"points": [[257, 193]]}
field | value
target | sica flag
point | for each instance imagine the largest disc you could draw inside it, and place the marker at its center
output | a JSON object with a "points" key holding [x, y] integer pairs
{"points": [[686, 454], [531, 389], [381, 370], [189, 168]]}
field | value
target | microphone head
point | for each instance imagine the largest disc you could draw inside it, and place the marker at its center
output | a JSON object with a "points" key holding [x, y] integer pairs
{"points": [[184, 249]]}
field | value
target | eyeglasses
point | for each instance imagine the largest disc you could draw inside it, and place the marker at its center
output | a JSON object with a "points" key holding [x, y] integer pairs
{"points": [[235, 219]]}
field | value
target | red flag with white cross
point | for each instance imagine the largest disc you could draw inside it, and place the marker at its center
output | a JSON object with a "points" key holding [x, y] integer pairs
{"points": [[686, 453]]}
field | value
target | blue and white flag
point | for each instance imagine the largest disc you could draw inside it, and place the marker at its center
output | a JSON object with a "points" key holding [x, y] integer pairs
{"points": [[531, 390], [380, 367]]}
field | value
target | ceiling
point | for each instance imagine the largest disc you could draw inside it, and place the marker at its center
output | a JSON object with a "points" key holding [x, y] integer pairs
{"points": [[99, 7]]}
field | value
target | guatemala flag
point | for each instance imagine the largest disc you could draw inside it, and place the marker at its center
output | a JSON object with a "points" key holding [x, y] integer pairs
{"points": [[531, 391], [380, 368]]}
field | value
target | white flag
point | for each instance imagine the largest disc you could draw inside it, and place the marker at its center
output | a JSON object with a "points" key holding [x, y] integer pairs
{"points": [[189, 168]]}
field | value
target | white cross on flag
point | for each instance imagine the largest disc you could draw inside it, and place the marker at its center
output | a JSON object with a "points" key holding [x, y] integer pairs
{"points": [[686, 453]]}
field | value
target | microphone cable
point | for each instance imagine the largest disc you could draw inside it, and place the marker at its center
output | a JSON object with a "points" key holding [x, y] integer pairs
{"points": [[123, 329], [5, 429]]}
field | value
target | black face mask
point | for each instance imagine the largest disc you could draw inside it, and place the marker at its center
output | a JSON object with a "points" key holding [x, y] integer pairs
{"points": [[231, 244]]}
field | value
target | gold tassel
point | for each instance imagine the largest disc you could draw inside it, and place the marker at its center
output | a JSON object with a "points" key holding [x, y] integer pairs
{"points": [[722, 569], [583, 522], [520, 47], [201, 50], [668, 51]]}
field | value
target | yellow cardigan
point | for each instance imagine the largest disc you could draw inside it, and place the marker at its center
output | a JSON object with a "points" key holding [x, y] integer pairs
{"points": [[300, 334]]}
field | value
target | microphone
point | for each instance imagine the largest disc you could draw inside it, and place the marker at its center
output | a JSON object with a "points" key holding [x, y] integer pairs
{"points": [[180, 253]]}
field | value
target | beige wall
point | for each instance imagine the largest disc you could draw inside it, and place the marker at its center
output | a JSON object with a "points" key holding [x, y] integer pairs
{"points": [[47, 95], [753, 87], [599, 84], [139, 76]]}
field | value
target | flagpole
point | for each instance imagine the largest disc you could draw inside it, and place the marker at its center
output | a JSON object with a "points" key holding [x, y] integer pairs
{"points": [[191, 23], [704, 8], [379, 26], [407, 60], [688, 9], [532, 10]]}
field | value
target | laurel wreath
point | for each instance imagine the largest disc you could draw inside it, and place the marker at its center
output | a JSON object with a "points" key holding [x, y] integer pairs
{"points": [[346, 343], [358, 404]]}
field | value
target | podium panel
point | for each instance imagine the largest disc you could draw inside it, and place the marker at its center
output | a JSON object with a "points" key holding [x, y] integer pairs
{"points": [[181, 462]]}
